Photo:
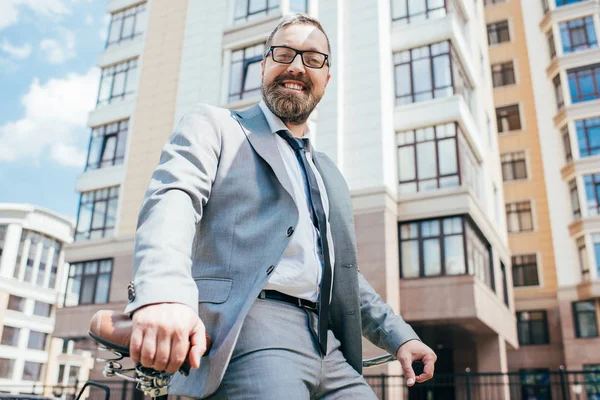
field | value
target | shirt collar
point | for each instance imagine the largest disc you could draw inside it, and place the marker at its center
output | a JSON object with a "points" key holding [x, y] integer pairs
{"points": [[276, 124]]}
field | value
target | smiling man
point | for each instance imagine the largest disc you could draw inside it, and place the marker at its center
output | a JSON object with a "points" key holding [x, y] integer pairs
{"points": [[246, 232]]}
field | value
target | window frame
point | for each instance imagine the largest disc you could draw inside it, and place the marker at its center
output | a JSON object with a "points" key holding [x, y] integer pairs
{"points": [[574, 199], [246, 63], [121, 16], [489, 3], [530, 323], [520, 264], [576, 75], [592, 180], [102, 132], [113, 194], [40, 372], [583, 255], [72, 274], [497, 29], [130, 71], [16, 334], [566, 139], [570, 31], [562, 3], [510, 159], [507, 109], [249, 16], [506, 68], [519, 208], [577, 316], [583, 127], [428, 12]]}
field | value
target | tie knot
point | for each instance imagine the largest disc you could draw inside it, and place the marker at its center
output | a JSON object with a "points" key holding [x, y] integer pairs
{"points": [[296, 144]]}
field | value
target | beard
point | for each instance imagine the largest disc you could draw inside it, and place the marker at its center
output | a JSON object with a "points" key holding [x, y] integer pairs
{"points": [[290, 107]]}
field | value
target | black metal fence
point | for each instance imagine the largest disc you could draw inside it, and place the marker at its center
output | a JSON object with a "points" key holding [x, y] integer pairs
{"points": [[525, 385]]}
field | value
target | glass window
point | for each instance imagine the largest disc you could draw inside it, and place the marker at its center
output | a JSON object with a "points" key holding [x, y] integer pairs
{"points": [[558, 94], [575, 208], [592, 193], [32, 371], [127, 24], [34, 239], [513, 166], [551, 45], [429, 72], [479, 259], [596, 242], [567, 143], [545, 6], [7, 366], [245, 77], [488, 3], [532, 327], [428, 158], [10, 336], [525, 270], [407, 11], [503, 74], [578, 34], [535, 384], [3, 229], [508, 118], [54, 265], [19, 265], [117, 82], [107, 145], [498, 32], [41, 275], [560, 3], [97, 213], [504, 284], [583, 259], [584, 317], [250, 10], [89, 282], [519, 217], [591, 376], [37, 340], [298, 6], [588, 137], [584, 83], [16, 303], [42, 309]]}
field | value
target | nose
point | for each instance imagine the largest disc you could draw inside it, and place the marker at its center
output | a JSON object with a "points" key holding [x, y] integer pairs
{"points": [[296, 66]]}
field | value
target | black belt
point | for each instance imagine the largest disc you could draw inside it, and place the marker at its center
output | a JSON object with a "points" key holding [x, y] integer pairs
{"points": [[275, 295]]}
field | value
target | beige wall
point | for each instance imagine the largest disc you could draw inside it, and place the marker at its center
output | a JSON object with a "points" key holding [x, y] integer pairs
{"points": [[157, 98]]}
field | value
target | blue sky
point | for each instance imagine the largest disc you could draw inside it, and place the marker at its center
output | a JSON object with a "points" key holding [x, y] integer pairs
{"points": [[48, 85]]}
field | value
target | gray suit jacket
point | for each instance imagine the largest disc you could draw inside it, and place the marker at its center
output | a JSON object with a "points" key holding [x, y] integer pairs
{"points": [[215, 222]]}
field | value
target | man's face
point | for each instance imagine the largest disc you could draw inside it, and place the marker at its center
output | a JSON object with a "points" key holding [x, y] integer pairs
{"points": [[290, 102]]}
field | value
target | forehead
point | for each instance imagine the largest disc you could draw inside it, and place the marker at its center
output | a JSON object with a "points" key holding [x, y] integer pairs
{"points": [[301, 37]]}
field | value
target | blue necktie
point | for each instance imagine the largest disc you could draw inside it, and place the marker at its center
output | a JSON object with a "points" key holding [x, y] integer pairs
{"points": [[320, 221]]}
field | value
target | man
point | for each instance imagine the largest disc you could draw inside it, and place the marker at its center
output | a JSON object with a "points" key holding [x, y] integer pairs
{"points": [[247, 232]]}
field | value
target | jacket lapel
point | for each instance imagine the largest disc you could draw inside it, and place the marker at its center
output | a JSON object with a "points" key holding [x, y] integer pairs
{"points": [[255, 127]]}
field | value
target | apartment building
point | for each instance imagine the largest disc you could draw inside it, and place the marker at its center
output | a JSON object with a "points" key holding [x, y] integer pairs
{"points": [[32, 275], [408, 119]]}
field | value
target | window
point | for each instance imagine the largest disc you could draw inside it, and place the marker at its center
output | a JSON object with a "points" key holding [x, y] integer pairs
{"points": [[7, 367], [127, 24], [37, 340], [503, 74], [41, 275], [437, 247], [567, 143], [73, 375], [488, 3], [504, 284], [575, 208], [578, 34], [519, 217], [250, 10], [545, 6], [42, 309], [498, 32], [429, 72], [54, 265], [97, 213], [596, 242], [584, 317], [117, 82], [107, 145], [428, 158], [513, 166], [551, 45], [18, 264], [16, 303], [584, 83], [245, 78], [508, 118], [535, 384], [34, 239], [560, 3], [592, 193], [584, 263], [89, 282], [525, 270], [588, 137], [532, 327], [558, 93], [3, 229], [407, 11], [591, 376], [10, 336], [32, 371]]}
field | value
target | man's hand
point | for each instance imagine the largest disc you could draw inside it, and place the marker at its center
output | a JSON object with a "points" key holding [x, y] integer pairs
{"points": [[415, 350], [162, 334]]}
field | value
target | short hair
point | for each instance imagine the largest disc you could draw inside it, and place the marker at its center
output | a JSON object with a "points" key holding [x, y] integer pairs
{"points": [[300, 19]]}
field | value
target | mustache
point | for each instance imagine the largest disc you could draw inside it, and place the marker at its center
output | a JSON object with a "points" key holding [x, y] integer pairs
{"points": [[306, 82]]}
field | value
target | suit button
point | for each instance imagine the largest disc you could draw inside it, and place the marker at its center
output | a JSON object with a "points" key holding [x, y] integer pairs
{"points": [[131, 291], [290, 231], [270, 269]]}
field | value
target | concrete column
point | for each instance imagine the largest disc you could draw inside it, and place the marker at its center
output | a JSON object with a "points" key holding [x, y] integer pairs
{"points": [[9, 252], [491, 357]]}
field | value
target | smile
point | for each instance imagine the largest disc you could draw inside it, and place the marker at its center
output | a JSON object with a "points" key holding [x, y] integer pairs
{"points": [[293, 86]]}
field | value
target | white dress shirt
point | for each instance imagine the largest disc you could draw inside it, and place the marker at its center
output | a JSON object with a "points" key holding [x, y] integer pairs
{"points": [[299, 271]]}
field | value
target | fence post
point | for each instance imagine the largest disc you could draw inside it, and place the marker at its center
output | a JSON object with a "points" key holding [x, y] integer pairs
{"points": [[383, 386], [563, 382], [124, 390], [468, 382]]}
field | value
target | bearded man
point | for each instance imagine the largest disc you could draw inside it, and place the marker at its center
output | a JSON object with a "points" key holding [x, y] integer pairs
{"points": [[246, 233]]}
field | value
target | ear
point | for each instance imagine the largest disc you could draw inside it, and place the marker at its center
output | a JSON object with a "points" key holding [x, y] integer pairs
{"points": [[262, 69], [328, 78]]}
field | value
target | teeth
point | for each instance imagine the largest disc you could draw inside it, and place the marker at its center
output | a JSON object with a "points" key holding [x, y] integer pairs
{"points": [[292, 86]]}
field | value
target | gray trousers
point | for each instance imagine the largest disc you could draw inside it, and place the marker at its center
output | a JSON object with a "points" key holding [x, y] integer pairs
{"points": [[277, 357]]}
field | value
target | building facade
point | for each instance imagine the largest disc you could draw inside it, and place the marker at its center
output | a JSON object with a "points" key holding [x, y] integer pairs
{"points": [[32, 275], [407, 117]]}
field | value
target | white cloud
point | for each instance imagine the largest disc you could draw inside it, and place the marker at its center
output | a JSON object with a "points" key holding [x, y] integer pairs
{"points": [[10, 9], [17, 52], [103, 32], [89, 20], [8, 14], [55, 113], [57, 52]]}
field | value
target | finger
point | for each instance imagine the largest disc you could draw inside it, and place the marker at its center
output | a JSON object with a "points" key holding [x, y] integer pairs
{"points": [[179, 349], [198, 343], [148, 348], [428, 368], [163, 350], [135, 345], [409, 374]]}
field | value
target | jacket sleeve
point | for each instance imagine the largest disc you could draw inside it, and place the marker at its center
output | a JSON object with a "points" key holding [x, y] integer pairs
{"points": [[380, 325], [172, 207]]}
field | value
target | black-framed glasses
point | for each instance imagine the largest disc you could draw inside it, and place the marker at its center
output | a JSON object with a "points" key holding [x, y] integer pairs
{"points": [[287, 55]]}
